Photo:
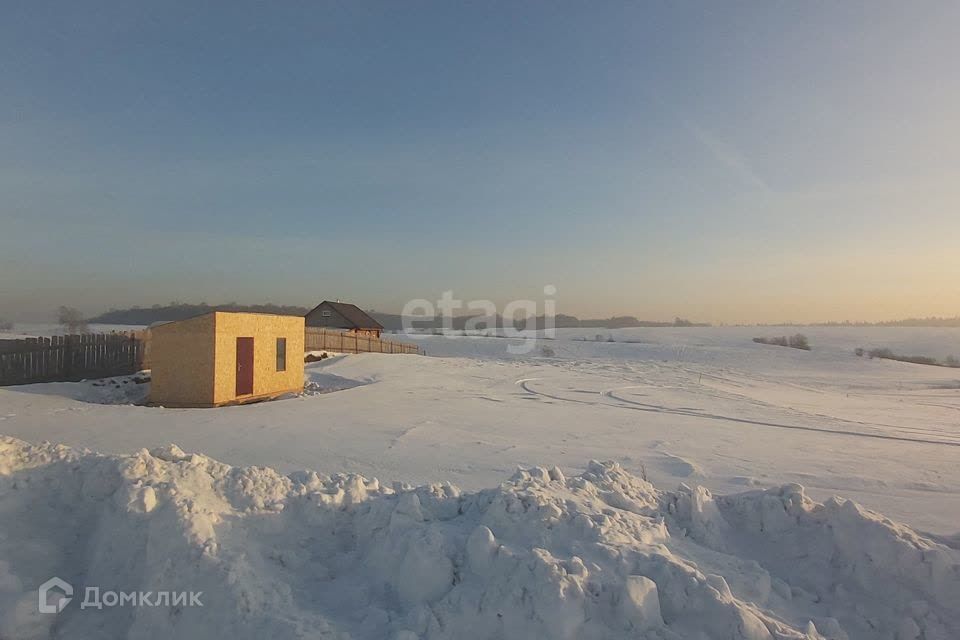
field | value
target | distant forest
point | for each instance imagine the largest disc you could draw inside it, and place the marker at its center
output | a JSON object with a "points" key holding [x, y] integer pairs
{"points": [[909, 322], [393, 322], [390, 321]]}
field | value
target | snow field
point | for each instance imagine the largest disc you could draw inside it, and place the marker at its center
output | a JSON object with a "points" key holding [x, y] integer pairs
{"points": [[601, 554]]}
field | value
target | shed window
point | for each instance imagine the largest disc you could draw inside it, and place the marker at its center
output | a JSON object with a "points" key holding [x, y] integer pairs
{"points": [[325, 313], [281, 354]]}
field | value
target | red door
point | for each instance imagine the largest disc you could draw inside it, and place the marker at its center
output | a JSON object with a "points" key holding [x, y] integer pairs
{"points": [[244, 366]]}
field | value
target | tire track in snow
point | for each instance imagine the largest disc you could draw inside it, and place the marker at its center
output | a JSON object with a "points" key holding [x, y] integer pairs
{"points": [[843, 432], [524, 384], [654, 408], [920, 431], [914, 431]]}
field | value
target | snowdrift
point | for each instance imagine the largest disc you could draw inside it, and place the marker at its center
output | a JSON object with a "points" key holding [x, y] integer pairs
{"points": [[600, 555]]}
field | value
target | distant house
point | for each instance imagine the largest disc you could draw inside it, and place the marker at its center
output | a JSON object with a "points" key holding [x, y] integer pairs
{"points": [[343, 316], [225, 357]]}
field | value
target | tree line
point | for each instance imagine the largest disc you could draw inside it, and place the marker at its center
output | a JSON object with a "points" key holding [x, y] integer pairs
{"points": [[392, 322]]}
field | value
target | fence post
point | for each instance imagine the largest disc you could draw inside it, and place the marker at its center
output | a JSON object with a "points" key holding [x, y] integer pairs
{"points": [[32, 367], [46, 359], [67, 356]]}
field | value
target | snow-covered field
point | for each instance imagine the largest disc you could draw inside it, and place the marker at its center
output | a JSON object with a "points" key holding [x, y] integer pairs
{"points": [[723, 542]]}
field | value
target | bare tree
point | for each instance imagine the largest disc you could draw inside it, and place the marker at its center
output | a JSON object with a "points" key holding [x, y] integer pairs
{"points": [[71, 320]]}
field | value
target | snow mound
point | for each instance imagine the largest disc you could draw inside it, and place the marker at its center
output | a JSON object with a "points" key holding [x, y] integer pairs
{"points": [[321, 383], [117, 390], [132, 389], [603, 554]]}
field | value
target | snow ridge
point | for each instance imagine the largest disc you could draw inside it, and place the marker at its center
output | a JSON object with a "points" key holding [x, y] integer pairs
{"points": [[603, 554]]}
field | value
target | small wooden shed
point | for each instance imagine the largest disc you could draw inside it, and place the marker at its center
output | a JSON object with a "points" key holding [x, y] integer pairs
{"points": [[343, 315], [225, 357]]}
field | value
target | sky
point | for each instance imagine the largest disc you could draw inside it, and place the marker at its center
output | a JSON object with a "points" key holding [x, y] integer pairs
{"points": [[723, 161]]}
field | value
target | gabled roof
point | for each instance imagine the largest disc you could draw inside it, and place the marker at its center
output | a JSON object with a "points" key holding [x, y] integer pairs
{"points": [[351, 313]]}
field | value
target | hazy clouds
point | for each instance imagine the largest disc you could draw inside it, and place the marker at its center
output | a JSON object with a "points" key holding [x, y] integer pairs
{"points": [[770, 162]]}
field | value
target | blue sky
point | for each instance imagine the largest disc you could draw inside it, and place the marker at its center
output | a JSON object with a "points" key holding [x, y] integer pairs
{"points": [[736, 161]]}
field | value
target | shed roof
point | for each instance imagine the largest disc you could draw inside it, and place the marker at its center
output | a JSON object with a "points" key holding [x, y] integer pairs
{"points": [[351, 313], [163, 323]]}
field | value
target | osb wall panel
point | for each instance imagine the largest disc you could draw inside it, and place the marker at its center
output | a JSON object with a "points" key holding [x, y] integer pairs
{"points": [[264, 329], [181, 362]]}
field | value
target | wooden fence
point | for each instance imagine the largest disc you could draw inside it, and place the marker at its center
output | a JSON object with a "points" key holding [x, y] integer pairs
{"points": [[317, 339], [64, 358]]}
